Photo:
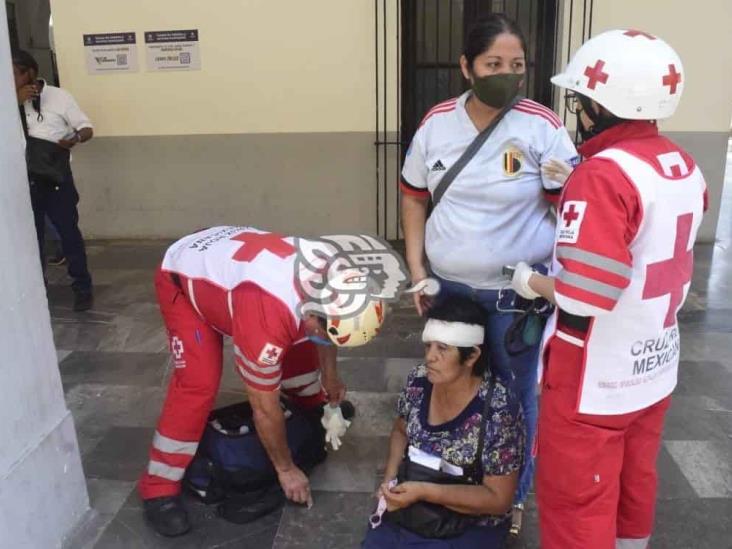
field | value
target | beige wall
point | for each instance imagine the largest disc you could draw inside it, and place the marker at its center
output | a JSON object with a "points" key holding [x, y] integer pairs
{"points": [[284, 66], [301, 76], [277, 130], [703, 41]]}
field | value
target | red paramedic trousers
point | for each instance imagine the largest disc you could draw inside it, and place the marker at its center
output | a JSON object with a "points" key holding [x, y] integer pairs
{"points": [[193, 388], [596, 474]]}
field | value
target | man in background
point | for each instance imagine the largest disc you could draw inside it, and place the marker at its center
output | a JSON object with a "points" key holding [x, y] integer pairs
{"points": [[53, 124]]}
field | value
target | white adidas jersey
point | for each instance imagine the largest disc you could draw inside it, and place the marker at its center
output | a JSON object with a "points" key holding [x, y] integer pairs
{"points": [[495, 212]]}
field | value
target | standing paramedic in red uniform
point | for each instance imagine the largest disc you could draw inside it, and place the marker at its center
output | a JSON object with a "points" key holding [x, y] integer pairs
{"points": [[241, 282], [623, 262]]}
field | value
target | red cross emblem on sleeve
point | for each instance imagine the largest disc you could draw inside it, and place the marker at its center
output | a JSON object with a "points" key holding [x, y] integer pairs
{"points": [[255, 243], [595, 74], [669, 277], [672, 79], [570, 215], [270, 354]]}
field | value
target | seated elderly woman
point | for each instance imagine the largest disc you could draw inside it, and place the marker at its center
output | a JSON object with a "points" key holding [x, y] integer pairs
{"points": [[436, 491]]}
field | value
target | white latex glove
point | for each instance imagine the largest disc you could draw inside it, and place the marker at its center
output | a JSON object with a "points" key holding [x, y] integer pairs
{"points": [[427, 286], [556, 170], [335, 425], [520, 281]]}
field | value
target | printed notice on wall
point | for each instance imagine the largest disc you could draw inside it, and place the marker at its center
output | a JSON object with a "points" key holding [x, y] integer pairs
{"points": [[111, 52], [172, 50]]}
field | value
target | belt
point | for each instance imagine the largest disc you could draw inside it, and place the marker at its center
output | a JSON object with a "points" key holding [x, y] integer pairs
{"points": [[575, 322]]}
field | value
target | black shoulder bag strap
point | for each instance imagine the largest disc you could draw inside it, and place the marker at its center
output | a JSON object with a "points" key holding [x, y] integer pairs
{"points": [[469, 153], [487, 409], [23, 121]]}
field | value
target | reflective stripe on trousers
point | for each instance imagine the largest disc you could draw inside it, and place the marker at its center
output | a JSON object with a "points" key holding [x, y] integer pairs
{"points": [[628, 543], [165, 471]]}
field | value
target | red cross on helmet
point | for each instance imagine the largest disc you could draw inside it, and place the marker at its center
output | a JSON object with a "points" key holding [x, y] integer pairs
{"points": [[633, 74]]}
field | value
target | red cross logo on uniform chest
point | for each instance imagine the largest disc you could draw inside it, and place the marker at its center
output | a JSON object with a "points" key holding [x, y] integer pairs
{"points": [[570, 215], [273, 354], [672, 79], [254, 243], [633, 33], [595, 74], [669, 277]]}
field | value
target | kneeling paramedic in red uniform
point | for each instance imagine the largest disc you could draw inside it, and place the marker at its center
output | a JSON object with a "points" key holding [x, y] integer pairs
{"points": [[627, 223], [241, 282]]}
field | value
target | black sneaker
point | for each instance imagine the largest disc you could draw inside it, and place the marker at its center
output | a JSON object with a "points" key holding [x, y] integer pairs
{"points": [[167, 515], [83, 301]]}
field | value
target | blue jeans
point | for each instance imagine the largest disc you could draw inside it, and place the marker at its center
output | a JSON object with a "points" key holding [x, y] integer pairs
{"points": [[391, 536], [519, 371]]}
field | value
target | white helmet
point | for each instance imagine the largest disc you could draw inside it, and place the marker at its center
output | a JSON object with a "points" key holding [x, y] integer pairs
{"points": [[633, 74], [353, 314], [356, 330]]}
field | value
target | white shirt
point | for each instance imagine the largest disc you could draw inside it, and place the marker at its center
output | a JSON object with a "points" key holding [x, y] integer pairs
{"points": [[61, 115], [495, 212]]}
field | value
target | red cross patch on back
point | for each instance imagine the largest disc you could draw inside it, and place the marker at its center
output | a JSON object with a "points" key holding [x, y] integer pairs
{"points": [[668, 277], [255, 243]]}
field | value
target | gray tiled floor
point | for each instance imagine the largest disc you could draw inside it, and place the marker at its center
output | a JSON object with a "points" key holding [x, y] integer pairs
{"points": [[114, 369]]}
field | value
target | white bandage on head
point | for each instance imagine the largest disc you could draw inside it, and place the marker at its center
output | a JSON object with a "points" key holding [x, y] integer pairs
{"points": [[458, 334]]}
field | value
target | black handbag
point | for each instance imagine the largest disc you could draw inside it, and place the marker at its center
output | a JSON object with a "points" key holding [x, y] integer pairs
{"points": [[48, 162], [430, 520]]}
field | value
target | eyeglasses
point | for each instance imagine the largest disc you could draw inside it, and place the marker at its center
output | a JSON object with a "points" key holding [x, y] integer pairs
{"points": [[571, 103]]}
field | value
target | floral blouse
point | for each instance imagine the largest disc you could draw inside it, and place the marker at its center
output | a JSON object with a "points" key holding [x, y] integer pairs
{"points": [[456, 441]]}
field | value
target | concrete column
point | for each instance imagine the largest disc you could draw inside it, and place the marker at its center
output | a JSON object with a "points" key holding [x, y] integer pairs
{"points": [[42, 488]]}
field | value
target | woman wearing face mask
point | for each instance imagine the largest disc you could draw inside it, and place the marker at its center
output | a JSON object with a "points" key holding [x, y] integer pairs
{"points": [[452, 410], [496, 212]]}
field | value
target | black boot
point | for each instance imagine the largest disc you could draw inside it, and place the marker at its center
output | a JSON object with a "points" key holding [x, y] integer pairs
{"points": [[83, 301], [167, 515]]}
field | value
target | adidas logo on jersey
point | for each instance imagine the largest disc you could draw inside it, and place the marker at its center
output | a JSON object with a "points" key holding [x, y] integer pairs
{"points": [[438, 166]]}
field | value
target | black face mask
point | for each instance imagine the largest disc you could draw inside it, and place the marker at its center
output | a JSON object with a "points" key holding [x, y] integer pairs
{"points": [[600, 122], [497, 90]]}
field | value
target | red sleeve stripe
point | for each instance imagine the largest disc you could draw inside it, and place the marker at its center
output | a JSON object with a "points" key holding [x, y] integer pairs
{"points": [[533, 105], [583, 296], [594, 274], [447, 106], [257, 382], [263, 377], [445, 103], [413, 191], [253, 366], [526, 110], [585, 283], [597, 261]]}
